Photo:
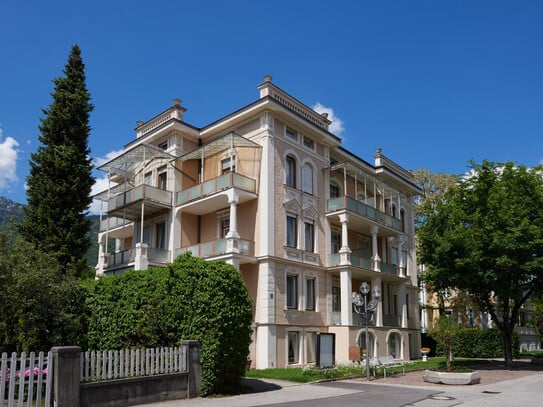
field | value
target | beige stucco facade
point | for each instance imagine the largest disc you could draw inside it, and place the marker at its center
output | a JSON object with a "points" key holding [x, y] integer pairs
{"points": [[271, 191]]}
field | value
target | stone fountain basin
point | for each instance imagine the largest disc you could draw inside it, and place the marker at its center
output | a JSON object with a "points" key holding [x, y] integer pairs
{"points": [[432, 376]]}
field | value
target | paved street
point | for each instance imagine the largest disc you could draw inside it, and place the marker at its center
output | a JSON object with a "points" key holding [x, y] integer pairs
{"points": [[522, 391]]}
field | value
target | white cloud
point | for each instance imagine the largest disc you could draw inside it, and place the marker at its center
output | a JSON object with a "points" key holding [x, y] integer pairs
{"points": [[8, 161], [336, 126]]}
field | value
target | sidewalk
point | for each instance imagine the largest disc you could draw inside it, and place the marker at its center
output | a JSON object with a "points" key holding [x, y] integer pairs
{"points": [[499, 388]]}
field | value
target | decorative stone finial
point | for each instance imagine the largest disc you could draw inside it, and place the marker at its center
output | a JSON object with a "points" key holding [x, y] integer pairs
{"points": [[325, 115], [267, 78], [378, 150], [139, 123], [177, 102]]}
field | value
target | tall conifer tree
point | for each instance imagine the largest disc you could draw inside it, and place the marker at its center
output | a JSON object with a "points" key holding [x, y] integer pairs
{"points": [[60, 179]]}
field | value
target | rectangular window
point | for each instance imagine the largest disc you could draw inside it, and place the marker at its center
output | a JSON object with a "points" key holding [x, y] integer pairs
{"points": [[334, 191], [147, 178], [291, 134], [162, 178], [228, 165], [309, 143], [293, 348], [292, 231], [309, 236], [292, 291], [310, 294], [336, 299], [307, 179], [335, 240], [161, 236], [225, 226]]}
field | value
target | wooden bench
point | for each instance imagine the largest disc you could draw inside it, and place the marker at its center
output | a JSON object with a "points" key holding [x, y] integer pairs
{"points": [[388, 362]]}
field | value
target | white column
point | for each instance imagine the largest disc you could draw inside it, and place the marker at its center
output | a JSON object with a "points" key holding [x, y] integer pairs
{"points": [[233, 201], [375, 249], [346, 288], [403, 314], [376, 282], [345, 251]]}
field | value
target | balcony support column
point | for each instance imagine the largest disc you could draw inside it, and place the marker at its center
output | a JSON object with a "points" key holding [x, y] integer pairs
{"points": [[376, 282], [403, 299], [345, 251], [403, 269], [141, 262], [233, 200], [346, 288], [376, 260]]}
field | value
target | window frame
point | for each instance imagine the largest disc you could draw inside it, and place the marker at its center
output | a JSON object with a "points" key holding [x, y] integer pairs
{"points": [[290, 171], [291, 234], [309, 225], [291, 291], [310, 294]]}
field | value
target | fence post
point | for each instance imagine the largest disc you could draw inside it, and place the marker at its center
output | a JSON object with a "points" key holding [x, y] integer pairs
{"points": [[66, 379], [194, 367]]}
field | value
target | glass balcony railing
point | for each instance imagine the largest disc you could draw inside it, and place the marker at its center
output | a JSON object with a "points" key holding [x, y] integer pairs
{"points": [[209, 187], [138, 193], [335, 260], [363, 210], [112, 223], [217, 247]]}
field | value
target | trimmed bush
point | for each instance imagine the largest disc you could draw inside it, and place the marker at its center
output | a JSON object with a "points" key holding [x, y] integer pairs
{"points": [[191, 299], [481, 343]]}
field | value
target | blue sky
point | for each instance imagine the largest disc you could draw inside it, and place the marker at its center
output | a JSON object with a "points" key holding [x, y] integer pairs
{"points": [[433, 83]]}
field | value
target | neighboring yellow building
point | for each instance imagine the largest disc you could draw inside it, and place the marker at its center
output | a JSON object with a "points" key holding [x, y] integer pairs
{"points": [[271, 191]]}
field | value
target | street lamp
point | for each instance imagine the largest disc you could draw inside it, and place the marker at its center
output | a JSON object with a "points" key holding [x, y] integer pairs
{"points": [[363, 308]]}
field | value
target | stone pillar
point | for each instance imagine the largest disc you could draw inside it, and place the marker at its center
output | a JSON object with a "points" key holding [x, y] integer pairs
{"points": [[233, 201], [66, 375], [346, 288], [376, 260], [345, 251], [194, 368], [141, 262], [376, 282]]}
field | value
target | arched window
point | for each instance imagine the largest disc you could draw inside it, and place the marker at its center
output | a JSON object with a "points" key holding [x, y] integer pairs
{"points": [[290, 171], [307, 178]]}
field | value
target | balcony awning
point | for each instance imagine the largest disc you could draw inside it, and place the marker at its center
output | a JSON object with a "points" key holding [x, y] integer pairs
{"points": [[131, 161], [231, 140], [356, 173]]}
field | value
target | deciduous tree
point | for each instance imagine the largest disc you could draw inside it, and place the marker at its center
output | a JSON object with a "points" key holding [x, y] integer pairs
{"points": [[485, 236]]}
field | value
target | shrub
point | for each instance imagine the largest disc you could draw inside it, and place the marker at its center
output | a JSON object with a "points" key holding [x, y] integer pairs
{"points": [[482, 343], [191, 299]]}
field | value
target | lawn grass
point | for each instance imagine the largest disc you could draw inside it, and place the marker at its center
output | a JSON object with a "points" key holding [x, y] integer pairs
{"points": [[312, 374]]}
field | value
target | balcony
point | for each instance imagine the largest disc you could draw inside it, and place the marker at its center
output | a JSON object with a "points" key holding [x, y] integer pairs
{"points": [[392, 269], [364, 211], [218, 247], [127, 204], [128, 257], [112, 223], [210, 192]]}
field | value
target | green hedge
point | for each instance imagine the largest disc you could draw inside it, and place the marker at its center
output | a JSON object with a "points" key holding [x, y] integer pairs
{"points": [[481, 343], [191, 299]]}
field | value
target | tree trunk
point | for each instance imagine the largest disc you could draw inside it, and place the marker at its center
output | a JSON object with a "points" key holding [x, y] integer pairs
{"points": [[507, 334]]}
